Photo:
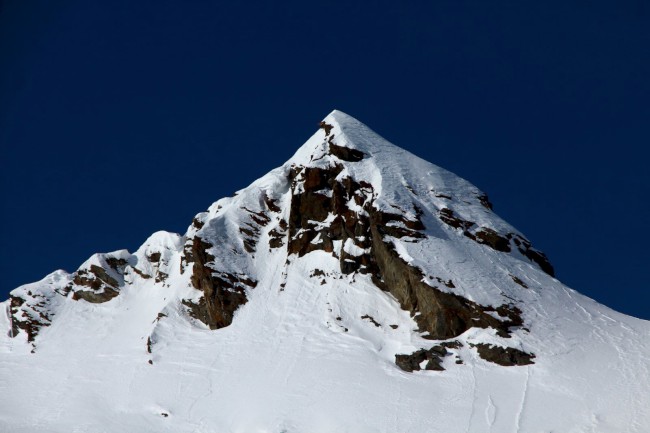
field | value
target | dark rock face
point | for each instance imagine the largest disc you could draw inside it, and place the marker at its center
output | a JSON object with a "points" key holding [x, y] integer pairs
{"points": [[102, 290], [223, 293], [251, 229], [341, 152], [433, 356], [320, 218], [442, 315], [506, 356], [30, 312], [278, 235], [22, 320], [485, 201], [345, 153], [102, 287]]}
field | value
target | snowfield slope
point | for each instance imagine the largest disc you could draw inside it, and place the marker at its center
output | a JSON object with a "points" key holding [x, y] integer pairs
{"points": [[357, 288]]}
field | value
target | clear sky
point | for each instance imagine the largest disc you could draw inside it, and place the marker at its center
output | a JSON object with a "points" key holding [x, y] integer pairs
{"points": [[121, 118]]}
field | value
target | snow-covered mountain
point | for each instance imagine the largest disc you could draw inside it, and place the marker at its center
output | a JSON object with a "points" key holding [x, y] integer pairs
{"points": [[357, 288]]}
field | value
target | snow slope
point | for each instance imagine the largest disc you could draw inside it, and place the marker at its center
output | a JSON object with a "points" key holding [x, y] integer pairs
{"points": [[116, 346]]}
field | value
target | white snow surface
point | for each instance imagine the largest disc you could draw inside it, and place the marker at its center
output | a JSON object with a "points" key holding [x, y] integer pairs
{"points": [[298, 357]]}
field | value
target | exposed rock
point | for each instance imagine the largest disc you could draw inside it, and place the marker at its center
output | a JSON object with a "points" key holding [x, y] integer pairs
{"points": [[326, 127], [21, 320], [154, 257], [95, 297], [277, 235], [161, 276], [441, 315], [317, 273], [485, 201], [31, 310], [223, 292], [345, 153], [496, 241], [197, 224], [371, 319], [116, 264], [411, 362], [95, 278], [251, 230], [142, 274], [433, 356], [506, 356], [539, 258], [271, 204], [448, 217], [489, 237], [455, 344], [102, 286], [187, 258], [441, 195], [518, 281]]}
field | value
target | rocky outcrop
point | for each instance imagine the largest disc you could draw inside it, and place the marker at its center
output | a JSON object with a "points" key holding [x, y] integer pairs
{"points": [[442, 315], [28, 318], [330, 210], [102, 287], [335, 214], [34, 306], [506, 356], [222, 292], [433, 357], [497, 241], [321, 216]]}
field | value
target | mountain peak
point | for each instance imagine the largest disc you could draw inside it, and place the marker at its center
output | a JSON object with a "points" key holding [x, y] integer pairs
{"points": [[353, 273], [338, 133]]}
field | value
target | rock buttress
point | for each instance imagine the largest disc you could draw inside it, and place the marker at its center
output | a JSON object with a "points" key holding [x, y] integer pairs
{"points": [[222, 292], [320, 214]]}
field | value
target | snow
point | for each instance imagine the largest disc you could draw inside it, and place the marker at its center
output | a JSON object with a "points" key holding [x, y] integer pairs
{"points": [[299, 357]]}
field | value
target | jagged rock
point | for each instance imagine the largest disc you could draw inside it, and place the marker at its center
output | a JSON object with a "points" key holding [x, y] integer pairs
{"points": [[155, 257], [506, 356], [433, 356], [103, 286], [496, 241], [30, 323], [324, 234], [222, 292], [278, 234], [95, 297], [485, 201], [441, 315], [345, 153], [489, 237], [371, 320]]}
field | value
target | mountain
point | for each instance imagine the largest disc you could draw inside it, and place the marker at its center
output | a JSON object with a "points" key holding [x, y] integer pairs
{"points": [[357, 288]]}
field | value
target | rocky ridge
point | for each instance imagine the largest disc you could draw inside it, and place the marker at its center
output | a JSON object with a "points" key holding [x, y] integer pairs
{"points": [[329, 208], [354, 288]]}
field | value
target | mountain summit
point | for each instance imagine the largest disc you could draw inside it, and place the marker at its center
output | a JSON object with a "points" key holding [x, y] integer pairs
{"points": [[356, 288]]}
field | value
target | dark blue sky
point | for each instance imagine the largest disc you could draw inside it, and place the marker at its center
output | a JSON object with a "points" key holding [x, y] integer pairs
{"points": [[118, 119]]}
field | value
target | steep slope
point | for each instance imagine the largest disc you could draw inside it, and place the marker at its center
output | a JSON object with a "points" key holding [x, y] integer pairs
{"points": [[356, 288]]}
